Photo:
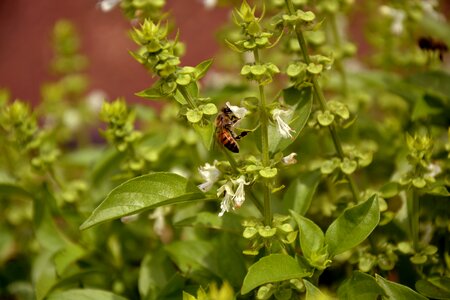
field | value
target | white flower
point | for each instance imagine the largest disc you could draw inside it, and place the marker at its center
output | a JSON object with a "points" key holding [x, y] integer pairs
{"points": [[290, 159], [239, 112], [429, 7], [283, 127], [209, 4], [227, 202], [232, 200], [210, 175], [108, 5], [434, 170], [397, 16], [95, 100]]}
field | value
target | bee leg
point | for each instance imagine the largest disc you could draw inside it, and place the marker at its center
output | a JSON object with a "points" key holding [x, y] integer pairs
{"points": [[241, 135]]}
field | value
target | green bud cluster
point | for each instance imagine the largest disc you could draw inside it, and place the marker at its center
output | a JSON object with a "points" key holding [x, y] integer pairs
{"points": [[21, 128], [354, 158], [385, 259], [261, 236], [419, 158], [120, 120], [142, 9], [19, 123], [301, 73], [427, 254], [67, 44], [336, 113]]}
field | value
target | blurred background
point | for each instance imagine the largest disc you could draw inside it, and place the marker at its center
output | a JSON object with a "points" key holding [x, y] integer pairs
{"points": [[25, 42]]}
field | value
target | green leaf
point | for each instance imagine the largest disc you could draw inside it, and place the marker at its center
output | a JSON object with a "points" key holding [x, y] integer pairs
{"points": [[84, 294], [436, 287], [155, 273], [206, 133], [359, 286], [13, 189], [313, 292], [202, 68], [314, 69], [153, 92], [143, 193], [301, 103], [300, 193], [312, 239], [353, 226], [272, 268], [390, 189], [397, 291], [67, 256]]}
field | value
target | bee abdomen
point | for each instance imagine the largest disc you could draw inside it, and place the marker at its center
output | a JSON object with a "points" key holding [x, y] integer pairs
{"points": [[229, 142]]}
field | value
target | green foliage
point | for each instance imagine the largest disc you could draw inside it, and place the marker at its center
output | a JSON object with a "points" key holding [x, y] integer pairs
{"points": [[311, 169]]}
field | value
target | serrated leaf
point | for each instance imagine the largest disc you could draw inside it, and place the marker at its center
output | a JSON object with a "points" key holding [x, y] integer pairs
{"points": [[353, 226], [272, 268], [301, 103], [84, 294], [397, 291], [359, 286], [143, 193]]}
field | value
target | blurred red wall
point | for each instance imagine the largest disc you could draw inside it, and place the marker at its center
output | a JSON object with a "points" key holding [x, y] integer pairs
{"points": [[25, 43]]}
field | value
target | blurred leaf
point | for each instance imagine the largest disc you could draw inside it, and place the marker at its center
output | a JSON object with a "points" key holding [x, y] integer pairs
{"points": [[194, 257], [353, 226], [436, 288], [67, 256], [84, 294], [155, 273], [103, 167], [313, 292], [397, 291], [300, 192], [301, 103], [206, 133], [13, 189], [390, 189], [204, 219], [359, 286], [272, 268], [143, 193]]}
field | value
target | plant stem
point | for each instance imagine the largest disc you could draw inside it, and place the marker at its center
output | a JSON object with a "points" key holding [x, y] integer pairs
{"points": [[322, 101], [338, 62], [413, 216], [264, 122]]}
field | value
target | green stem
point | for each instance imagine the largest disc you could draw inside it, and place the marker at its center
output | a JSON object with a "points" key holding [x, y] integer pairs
{"points": [[322, 101], [338, 62], [413, 215], [187, 96], [264, 122]]}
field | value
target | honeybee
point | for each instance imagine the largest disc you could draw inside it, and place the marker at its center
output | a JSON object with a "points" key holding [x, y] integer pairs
{"points": [[225, 121], [430, 44]]}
